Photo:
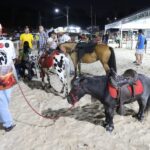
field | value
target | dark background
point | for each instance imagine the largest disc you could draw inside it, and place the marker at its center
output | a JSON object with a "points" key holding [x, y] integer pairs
{"points": [[17, 13]]}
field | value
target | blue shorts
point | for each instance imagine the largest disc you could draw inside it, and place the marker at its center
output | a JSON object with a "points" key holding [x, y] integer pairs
{"points": [[139, 51]]}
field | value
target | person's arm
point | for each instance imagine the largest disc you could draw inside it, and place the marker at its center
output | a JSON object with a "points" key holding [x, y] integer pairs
{"points": [[21, 41], [68, 38], [32, 39], [13, 52], [138, 42], [45, 40], [49, 42], [56, 40], [145, 44]]}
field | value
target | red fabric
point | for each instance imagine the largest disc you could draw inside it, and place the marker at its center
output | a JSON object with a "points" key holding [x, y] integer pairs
{"points": [[46, 60], [1, 45], [7, 81], [138, 89], [112, 91]]}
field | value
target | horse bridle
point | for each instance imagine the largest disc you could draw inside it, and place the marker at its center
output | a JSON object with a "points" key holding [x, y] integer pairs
{"points": [[74, 98]]}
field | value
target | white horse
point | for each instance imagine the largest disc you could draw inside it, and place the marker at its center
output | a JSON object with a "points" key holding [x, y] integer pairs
{"points": [[61, 66]]}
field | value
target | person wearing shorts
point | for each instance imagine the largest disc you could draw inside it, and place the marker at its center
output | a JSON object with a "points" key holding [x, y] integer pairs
{"points": [[140, 48]]}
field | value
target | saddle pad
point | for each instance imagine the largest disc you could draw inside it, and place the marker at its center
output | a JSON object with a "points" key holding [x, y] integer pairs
{"points": [[47, 60], [50, 58], [138, 88]]}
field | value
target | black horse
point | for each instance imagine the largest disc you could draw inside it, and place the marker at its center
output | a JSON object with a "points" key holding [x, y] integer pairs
{"points": [[97, 86]]}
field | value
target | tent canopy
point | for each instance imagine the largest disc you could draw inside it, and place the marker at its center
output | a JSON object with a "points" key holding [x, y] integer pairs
{"points": [[137, 21]]}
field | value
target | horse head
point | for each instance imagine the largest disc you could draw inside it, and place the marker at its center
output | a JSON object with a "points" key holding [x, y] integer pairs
{"points": [[78, 90]]}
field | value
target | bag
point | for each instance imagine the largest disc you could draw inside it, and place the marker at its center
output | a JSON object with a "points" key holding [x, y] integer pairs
{"points": [[8, 80]]}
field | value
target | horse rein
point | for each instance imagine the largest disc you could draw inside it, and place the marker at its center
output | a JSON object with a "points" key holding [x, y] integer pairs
{"points": [[36, 112], [74, 99]]}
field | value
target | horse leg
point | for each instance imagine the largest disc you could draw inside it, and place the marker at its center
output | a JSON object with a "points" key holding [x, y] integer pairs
{"points": [[121, 109], [62, 90], [43, 83], [109, 112], [30, 75], [75, 69], [104, 59], [42, 75], [142, 105], [79, 68], [74, 60], [106, 67], [48, 79], [66, 94]]}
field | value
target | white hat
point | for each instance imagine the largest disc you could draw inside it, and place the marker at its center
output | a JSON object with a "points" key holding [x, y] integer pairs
{"points": [[59, 29]]}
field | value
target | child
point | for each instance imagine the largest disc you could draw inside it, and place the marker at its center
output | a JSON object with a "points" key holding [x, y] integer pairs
{"points": [[23, 62]]}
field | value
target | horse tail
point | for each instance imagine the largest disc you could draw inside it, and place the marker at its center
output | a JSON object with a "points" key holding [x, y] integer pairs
{"points": [[112, 60], [147, 105]]}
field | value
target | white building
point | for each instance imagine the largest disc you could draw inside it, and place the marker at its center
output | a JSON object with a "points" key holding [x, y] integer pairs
{"points": [[140, 20]]}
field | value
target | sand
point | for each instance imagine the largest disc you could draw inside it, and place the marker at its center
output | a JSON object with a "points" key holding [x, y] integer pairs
{"points": [[81, 128]]}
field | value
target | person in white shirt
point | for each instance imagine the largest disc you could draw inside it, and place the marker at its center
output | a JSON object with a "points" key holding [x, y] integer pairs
{"points": [[52, 41], [7, 80], [63, 38]]}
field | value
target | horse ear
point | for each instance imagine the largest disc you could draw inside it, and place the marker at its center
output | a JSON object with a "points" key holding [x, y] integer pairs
{"points": [[74, 80], [83, 79]]}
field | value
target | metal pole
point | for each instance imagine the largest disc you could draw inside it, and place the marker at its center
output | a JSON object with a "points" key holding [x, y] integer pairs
{"points": [[67, 15], [91, 20], [121, 37]]}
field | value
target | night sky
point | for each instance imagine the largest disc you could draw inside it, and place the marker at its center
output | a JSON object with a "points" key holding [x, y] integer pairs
{"points": [[17, 13]]}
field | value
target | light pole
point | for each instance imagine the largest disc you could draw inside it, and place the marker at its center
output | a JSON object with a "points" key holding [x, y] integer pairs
{"points": [[57, 10], [67, 15]]}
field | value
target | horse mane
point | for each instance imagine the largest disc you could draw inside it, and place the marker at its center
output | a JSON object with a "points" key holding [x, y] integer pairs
{"points": [[68, 43]]}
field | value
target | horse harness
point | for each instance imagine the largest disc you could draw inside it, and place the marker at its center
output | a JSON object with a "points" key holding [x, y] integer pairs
{"points": [[121, 83]]}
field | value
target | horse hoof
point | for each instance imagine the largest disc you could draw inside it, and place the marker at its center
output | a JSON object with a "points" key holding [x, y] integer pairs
{"points": [[141, 119], [43, 87], [120, 111], [104, 124], [49, 86], [61, 92], [138, 117], [109, 128]]}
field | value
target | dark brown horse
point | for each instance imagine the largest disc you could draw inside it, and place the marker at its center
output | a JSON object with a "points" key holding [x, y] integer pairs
{"points": [[89, 53]]}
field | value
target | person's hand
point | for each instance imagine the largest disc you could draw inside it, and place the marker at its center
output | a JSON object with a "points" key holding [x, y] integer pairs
{"points": [[2, 82]]}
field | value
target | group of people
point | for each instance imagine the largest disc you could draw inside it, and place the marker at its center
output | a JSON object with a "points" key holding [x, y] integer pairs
{"points": [[47, 41], [53, 39]]}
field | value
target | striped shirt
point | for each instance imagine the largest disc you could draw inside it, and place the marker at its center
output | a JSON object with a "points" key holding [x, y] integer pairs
{"points": [[42, 40]]}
